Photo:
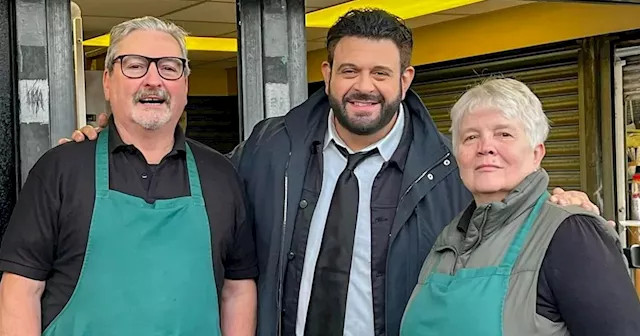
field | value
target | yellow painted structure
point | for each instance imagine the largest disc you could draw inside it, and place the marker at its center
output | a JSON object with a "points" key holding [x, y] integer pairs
{"points": [[210, 82], [508, 29], [502, 30], [323, 18]]}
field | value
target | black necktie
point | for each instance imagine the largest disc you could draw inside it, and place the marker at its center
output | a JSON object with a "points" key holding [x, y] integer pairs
{"points": [[328, 301]]}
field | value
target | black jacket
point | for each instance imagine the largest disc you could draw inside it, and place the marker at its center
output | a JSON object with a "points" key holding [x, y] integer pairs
{"points": [[272, 164]]}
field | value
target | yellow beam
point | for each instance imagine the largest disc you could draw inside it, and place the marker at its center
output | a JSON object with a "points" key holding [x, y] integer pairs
{"points": [[193, 43], [326, 17], [528, 25], [323, 18], [212, 44]]}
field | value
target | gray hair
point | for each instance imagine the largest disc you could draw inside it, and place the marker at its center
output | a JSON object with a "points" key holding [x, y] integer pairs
{"points": [[147, 23], [513, 98]]}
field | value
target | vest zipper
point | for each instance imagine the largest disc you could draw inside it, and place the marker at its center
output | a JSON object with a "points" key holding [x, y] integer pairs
{"points": [[480, 234], [282, 242]]}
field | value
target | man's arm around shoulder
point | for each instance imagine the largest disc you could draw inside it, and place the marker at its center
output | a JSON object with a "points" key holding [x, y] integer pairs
{"points": [[20, 306], [239, 307]]}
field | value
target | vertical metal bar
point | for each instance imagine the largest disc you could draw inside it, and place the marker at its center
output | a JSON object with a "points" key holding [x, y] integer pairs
{"points": [[297, 65], [621, 153], [8, 141], [78, 60], [590, 134], [33, 82], [275, 58], [251, 89], [272, 67], [62, 107], [606, 127], [582, 80]]}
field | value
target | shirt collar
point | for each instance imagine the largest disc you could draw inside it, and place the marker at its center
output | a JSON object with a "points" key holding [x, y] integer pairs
{"points": [[386, 146], [116, 143]]}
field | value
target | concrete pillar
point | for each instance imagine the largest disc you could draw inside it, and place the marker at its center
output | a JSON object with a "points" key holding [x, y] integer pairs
{"points": [[8, 160], [272, 59], [45, 77]]}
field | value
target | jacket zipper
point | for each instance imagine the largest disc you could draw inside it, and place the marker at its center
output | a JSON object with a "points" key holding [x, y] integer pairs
{"points": [[386, 292], [422, 176], [282, 242]]}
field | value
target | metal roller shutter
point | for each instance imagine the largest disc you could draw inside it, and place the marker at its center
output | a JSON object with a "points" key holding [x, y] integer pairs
{"points": [[552, 76], [631, 90]]}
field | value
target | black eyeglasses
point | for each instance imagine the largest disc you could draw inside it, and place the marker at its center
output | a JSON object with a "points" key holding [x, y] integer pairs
{"points": [[137, 66]]}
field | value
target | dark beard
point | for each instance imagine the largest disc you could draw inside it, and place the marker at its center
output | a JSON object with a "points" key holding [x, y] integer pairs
{"points": [[387, 112]]}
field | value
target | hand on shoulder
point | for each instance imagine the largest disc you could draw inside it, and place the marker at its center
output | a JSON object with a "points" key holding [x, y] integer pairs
{"points": [[88, 131]]}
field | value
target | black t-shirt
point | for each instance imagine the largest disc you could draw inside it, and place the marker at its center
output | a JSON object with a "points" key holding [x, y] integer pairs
{"points": [[584, 283], [47, 235]]}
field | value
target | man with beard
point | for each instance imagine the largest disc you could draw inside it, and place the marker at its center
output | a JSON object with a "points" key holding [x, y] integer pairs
{"points": [[350, 189], [123, 236]]}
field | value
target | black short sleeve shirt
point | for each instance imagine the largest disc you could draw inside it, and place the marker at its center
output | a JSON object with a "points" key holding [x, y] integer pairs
{"points": [[47, 235]]}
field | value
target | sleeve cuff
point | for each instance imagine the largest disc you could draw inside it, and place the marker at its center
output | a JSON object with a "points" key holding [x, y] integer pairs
{"points": [[7, 266], [243, 274]]}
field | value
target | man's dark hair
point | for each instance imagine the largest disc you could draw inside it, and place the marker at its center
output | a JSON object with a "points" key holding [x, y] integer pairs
{"points": [[374, 24]]}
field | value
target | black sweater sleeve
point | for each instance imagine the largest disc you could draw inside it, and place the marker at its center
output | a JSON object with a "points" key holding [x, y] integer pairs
{"points": [[585, 283]]}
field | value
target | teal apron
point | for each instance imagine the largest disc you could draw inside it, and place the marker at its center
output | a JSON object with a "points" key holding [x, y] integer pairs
{"points": [[148, 268], [469, 302]]}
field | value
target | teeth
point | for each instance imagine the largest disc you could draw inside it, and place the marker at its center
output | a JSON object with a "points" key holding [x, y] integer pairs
{"points": [[362, 104]]}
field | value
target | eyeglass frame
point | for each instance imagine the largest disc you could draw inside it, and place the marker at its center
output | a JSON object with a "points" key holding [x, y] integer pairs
{"points": [[150, 60]]}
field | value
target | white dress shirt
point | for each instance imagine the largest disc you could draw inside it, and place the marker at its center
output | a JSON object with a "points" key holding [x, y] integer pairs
{"points": [[359, 310]]}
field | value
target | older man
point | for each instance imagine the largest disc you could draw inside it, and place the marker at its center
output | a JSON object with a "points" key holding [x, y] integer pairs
{"points": [[123, 236]]}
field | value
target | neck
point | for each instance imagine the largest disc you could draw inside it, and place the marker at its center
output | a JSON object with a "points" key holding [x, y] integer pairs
{"points": [[357, 142], [488, 198], [154, 145]]}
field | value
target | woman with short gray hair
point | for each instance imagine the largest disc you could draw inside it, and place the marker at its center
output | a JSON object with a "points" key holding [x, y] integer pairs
{"points": [[513, 263]]}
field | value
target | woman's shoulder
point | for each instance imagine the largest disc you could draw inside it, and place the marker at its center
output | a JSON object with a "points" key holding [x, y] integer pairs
{"points": [[577, 220]]}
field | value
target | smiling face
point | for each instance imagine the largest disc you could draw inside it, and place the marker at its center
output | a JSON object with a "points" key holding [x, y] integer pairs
{"points": [[150, 101], [365, 83], [494, 154]]}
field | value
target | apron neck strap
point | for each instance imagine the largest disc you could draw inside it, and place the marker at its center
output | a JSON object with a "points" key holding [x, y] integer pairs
{"points": [[192, 169], [102, 162], [518, 241], [102, 167]]}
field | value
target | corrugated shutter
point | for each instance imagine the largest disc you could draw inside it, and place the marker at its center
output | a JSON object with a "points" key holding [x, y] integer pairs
{"points": [[631, 89], [553, 76]]}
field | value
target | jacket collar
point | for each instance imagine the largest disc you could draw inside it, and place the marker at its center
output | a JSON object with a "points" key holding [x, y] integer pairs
{"points": [[487, 218]]}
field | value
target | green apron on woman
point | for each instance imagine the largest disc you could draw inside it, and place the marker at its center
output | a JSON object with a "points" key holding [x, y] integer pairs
{"points": [[470, 302]]}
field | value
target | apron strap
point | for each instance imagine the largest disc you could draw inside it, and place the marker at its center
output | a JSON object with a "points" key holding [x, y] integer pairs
{"points": [[194, 177], [102, 167], [516, 245], [102, 163]]}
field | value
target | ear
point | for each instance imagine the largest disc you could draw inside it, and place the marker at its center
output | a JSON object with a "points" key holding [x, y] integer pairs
{"points": [[539, 152], [326, 75], [106, 84], [406, 79], [186, 85]]}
